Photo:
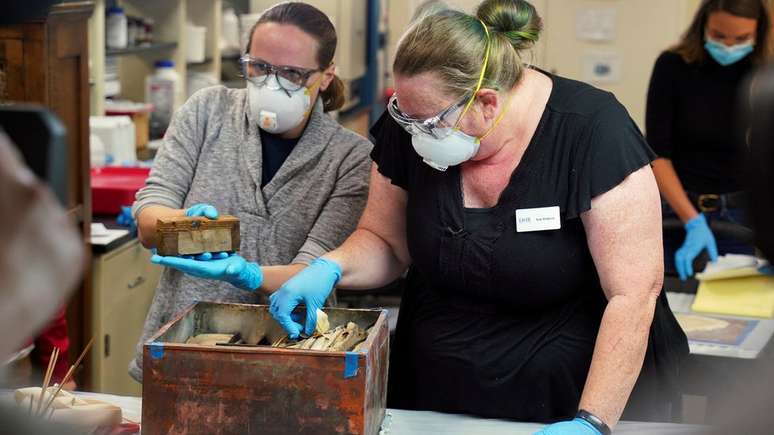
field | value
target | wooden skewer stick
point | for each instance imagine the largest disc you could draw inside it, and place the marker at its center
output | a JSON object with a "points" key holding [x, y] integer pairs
{"points": [[69, 374], [50, 373], [47, 376]]}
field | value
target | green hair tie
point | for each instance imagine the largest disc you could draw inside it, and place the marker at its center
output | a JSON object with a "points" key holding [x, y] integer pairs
{"points": [[529, 35]]}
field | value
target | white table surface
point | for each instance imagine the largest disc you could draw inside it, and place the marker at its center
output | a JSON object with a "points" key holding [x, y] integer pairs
{"points": [[402, 422]]}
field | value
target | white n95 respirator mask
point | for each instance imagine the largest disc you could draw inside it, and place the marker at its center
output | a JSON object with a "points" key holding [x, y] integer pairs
{"points": [[455, 148], [275, 109]]}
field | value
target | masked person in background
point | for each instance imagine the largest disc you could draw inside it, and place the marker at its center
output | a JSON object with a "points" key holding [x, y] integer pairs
{"points": [[268, 154], [691, 115]]}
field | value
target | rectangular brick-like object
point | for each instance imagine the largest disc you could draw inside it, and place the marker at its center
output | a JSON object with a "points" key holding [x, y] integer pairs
{"points": [[194, 235], [255, 388]]}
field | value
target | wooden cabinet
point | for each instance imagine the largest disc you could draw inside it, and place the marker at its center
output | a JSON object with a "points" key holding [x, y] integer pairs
{"points": [[124, 282], [46, 61]]}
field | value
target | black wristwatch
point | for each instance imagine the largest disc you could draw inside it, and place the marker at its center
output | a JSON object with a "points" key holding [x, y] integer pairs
{"points": [[594, 421]]}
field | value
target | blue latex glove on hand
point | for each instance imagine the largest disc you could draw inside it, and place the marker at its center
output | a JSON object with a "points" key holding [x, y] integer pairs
{"points": [[125, 219], [766, 270], [698, 238], [310, 287], [233, 269], [576, 426], [205, 210]]}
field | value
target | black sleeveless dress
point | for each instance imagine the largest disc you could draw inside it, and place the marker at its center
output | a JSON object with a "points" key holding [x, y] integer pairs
{"points": [[502, 324]]}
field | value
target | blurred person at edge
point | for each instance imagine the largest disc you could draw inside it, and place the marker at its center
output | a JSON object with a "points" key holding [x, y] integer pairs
{"points": [[54, 333], [43, 256], [40, 264], [746, 407]]}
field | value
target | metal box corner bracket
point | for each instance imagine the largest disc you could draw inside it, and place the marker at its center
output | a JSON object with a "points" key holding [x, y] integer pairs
{"points": [[190, 388], [195, 235]]}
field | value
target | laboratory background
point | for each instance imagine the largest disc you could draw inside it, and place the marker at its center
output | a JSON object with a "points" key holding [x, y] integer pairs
{"points": [[386, 217]]}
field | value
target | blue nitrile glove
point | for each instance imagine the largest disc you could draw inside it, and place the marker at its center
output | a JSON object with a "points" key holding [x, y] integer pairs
{"points": [[698, 238], [310, 287], [577, 426], [766, 270], [205, 210], [232, 268], [125, 219]]}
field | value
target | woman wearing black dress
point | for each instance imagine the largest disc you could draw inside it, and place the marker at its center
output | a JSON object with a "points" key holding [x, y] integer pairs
{"points": [[691, 123], [530, 221]]}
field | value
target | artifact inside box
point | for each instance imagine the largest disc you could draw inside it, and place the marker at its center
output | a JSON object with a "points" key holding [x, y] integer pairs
{"points": [[345, 337]]}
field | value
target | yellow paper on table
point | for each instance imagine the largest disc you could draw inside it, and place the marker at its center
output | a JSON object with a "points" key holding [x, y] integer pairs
{"points": [[728, 273], [747, 296]]}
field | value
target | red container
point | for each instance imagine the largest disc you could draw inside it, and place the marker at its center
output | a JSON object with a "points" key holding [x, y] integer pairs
{"points": [[112, 187]]}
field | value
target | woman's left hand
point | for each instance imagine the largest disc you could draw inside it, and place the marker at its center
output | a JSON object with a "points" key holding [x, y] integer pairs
{"points": [[573, 427], [223, 267]]}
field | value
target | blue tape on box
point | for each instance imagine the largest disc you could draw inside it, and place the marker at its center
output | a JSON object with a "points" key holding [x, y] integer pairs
{"points": [[156, 350], [350, 365]]}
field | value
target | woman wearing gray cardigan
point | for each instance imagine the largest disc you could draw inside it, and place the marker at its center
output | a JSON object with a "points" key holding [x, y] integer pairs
{"points": [[268, 154]]}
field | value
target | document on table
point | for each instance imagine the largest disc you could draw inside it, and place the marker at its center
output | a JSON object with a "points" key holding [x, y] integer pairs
{"points": [[734, 286], [720, 335]]}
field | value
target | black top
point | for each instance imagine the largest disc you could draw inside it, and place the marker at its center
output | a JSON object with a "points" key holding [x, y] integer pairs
{"points": [[691, 120], [275, 150], [502, 324], [475, 218]]}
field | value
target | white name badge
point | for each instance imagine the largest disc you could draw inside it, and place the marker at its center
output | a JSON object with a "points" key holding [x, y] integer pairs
{"points": [[538, 219]]}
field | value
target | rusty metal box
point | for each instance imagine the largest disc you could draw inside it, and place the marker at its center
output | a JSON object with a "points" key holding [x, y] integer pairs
{"points": [[195, 389]]}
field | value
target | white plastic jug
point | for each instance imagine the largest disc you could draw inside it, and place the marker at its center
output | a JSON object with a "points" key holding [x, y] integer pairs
{"points": [[164, 91]]}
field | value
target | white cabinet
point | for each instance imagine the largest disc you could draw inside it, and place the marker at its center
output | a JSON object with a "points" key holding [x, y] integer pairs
{"points": [[124, 282]]}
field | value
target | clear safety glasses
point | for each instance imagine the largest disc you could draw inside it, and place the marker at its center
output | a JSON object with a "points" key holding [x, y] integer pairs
{"points": [[438, 126], [290, 78]]}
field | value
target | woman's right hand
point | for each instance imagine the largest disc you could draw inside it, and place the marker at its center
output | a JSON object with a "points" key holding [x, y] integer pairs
{"points": [[205, 210]]}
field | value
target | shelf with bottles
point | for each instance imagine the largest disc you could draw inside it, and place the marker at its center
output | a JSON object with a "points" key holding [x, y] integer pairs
{"points": [[168, 20], [139, 49], [170, 26]]}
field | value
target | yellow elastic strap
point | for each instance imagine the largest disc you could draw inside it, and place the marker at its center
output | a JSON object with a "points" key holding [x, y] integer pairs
{"points": [[497, 121], [480, 77], [316, 83], [308, 91]]}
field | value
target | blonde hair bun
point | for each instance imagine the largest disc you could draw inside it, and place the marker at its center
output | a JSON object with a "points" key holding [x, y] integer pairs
{"points": [[516, 20]]}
